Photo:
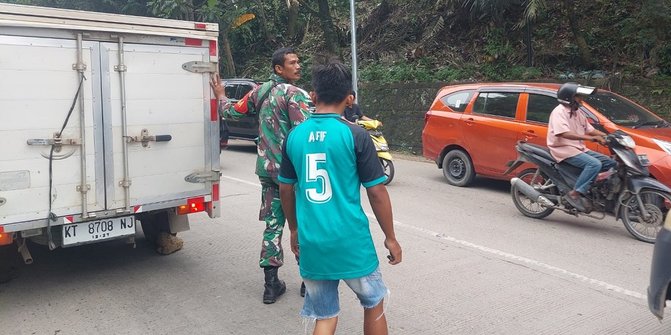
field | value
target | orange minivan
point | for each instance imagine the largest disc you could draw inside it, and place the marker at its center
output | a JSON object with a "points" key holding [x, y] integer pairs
{"points": [[471, 129]]}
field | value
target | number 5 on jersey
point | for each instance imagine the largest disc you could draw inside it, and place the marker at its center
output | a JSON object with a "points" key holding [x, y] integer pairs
{"points": [[323, 192]]}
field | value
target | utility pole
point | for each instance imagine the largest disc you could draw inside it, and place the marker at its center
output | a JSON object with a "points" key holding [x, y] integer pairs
{"points": [[355, 87]]}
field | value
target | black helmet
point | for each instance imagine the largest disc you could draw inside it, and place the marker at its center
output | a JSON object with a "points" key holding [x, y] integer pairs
{"points": [[567, 92]]}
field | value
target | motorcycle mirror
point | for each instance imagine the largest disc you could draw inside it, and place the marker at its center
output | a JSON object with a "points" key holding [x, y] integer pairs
{"points": [[585, 90]]}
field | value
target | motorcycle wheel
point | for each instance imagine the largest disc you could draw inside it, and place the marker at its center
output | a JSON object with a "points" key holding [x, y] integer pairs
{"points": [[388, 167], [525, 205], [657, 205]]}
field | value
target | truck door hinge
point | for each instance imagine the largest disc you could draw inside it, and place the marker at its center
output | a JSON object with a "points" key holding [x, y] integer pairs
{"points": [[86, 188], [200, 67], [203, 177]]}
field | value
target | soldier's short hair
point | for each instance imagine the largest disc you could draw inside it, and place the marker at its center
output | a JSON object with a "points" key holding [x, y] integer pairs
{"points": [[279, 56]]}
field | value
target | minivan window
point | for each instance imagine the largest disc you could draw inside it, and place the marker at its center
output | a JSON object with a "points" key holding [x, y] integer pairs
{"points": [[540, 107], [621, 111], [499, 104], [457, 101]]}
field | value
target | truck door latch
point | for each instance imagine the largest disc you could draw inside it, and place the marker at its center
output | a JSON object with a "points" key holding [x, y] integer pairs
{"points": [[145, 138], [58, 143]]}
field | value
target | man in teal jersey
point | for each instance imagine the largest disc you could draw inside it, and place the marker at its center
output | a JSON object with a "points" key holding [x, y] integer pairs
{"points": [[325, 161]]}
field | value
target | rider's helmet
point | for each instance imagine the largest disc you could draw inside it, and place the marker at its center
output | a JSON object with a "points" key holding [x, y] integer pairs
{"points": [[567, 92]]}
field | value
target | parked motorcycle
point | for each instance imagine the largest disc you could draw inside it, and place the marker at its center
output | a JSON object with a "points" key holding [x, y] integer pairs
{"points": [[626, 191], [381, 146]]}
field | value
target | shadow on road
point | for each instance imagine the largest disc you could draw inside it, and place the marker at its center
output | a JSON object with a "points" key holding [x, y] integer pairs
{"points": [[61, 263], [240, 146]]}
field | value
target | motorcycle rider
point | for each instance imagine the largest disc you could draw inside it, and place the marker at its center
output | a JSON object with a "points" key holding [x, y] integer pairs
{"points": [[567, 129]]}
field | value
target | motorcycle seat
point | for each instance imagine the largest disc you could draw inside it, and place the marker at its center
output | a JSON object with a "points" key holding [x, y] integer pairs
{"points": [[536, 149]]}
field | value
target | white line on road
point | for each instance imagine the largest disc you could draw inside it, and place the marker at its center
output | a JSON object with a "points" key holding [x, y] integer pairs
{"points": [[520, 259], [499, 253]]}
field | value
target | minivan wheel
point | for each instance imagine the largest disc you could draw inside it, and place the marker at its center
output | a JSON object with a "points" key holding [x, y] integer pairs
{"points": [[458, 168]]}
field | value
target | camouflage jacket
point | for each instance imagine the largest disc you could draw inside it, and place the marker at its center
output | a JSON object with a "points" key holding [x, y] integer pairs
{"points": [[284, 108]]}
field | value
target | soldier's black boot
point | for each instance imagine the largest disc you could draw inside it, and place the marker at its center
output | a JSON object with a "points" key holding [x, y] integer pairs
{"points": [[274, 287]]}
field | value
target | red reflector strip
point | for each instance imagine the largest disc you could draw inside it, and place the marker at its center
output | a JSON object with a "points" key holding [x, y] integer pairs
{"points": [[201, 26], [215, 192], [213, 48], [2, 229], [193, 42], [214, 110]]}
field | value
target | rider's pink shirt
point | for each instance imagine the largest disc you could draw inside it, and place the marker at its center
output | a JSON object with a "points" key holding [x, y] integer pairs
{"points": [[560, 122]]}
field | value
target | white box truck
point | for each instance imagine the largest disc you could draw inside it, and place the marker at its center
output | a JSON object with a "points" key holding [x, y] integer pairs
{"points": [[106, 121]]}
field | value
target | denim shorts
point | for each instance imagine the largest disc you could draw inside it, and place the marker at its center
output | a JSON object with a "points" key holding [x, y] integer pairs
{"points": [[322, 298]]}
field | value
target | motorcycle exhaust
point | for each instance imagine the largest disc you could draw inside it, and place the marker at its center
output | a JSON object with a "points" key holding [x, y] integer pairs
{"points": [[531, 193]]}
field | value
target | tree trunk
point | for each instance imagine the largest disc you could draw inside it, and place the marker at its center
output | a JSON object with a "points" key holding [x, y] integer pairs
{"points": [[230, 65], [326, 22], [578, 35], [264, 21], [292, 21]]}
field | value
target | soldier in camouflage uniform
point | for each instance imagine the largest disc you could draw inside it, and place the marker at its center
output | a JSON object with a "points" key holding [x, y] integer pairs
{"points": [[280, 106]]}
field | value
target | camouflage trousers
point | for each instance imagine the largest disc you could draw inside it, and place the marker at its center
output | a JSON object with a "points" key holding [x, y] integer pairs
{"points": [[271, 213]]}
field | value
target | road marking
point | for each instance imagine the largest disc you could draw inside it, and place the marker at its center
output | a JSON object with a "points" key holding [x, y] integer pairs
{"points": [[242, 181], [502, 254], [520, 259]]}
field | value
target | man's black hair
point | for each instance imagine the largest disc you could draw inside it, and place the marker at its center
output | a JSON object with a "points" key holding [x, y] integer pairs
{"points": [[332, 82], [279, 55]]}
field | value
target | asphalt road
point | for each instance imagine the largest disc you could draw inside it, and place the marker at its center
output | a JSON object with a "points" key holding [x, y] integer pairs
{"points": [[472, 265]]}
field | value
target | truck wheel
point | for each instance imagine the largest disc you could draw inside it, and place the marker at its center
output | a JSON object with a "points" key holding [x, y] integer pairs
{"points": [[153, 224], [156, 231]]}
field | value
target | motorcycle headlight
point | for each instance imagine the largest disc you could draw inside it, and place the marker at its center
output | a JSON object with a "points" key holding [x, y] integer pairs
{"points": [[383, 147], [627, 141], [666, 146]]}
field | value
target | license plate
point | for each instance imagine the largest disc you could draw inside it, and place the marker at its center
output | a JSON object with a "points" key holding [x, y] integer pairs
{"points": [[99, 230], [643, 158]]}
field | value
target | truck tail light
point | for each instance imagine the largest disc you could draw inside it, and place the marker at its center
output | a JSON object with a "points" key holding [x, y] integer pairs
{"points": [[193, 205], [6, 238]]}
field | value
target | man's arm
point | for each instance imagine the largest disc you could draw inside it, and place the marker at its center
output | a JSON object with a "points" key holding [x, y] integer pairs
{"points": [[381, 204], [226, 109], [288, 200], [594, 136]]}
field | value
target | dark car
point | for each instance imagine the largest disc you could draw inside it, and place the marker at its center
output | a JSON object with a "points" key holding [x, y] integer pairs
{"points": [[245, 128], [660, 274]]}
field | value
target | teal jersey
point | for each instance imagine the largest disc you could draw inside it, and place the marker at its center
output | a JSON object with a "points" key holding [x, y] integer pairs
{"points": [[328, 159]]}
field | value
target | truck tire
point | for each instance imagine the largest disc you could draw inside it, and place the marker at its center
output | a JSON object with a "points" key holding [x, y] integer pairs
{"points": [[153, 224]]}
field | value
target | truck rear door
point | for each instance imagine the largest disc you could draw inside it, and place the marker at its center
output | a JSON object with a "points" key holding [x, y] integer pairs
{"points": [[162, 99]]}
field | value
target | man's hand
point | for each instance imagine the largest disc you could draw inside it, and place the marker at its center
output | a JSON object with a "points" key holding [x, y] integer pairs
{"points": [[599, 138], [294, 243], [218, 89], [395, 252]]}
